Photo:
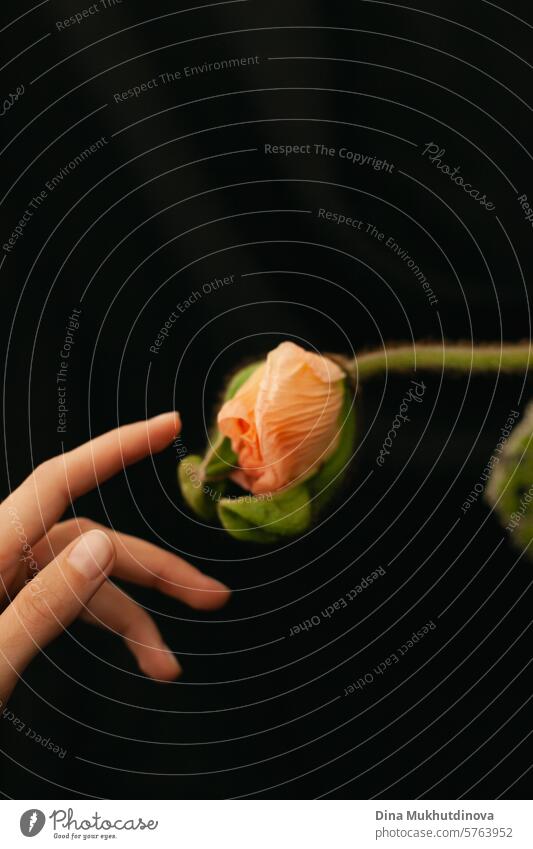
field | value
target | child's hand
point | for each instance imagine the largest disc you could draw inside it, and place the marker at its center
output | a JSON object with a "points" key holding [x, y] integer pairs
{"points": [[51, 571]]}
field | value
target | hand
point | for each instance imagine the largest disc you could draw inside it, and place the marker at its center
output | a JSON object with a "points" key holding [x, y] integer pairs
{"points": [[52, 572]]}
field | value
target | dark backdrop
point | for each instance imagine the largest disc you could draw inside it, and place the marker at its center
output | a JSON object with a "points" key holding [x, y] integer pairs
{"points": [[180, 192]]}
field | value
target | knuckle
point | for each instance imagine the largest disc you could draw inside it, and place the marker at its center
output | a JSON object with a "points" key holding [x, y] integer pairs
{"points": [[44, 470], [46, 473], [158, 580], [53, 471], [34, 605]]}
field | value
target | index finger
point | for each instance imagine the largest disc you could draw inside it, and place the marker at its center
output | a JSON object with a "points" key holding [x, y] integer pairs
{"points": [[43, 497]]}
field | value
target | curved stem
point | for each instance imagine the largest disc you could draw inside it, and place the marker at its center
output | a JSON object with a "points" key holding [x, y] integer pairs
{"points": [[450, 358]]}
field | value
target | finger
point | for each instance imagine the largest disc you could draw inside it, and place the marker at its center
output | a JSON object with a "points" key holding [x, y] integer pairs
{"points": [[150, 566], [42, 498], [113, 609], [145, 564], [50, 602]]}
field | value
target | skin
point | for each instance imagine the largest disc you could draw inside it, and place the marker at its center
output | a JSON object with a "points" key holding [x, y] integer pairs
{"points": [[42, 591]]}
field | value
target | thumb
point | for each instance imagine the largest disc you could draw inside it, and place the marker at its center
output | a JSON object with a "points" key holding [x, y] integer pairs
{"points": [[50, 602]]}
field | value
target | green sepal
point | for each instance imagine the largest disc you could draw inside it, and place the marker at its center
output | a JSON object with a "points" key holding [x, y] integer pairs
{"points": [[267, 519], [202, 498], [239, 378], [220, 460]]}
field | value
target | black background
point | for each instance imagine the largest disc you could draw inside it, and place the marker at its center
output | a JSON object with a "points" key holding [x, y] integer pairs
{"points": [[183, 194]]}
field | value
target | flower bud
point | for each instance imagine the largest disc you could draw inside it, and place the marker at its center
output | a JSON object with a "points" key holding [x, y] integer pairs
{"points": [[286, 436], [282, 421]]}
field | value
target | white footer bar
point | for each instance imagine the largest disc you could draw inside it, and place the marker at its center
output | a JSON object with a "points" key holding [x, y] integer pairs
{"points": [[268, 824]]}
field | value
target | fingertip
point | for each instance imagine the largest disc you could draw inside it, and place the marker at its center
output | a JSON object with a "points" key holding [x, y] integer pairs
{"points": [[212, 596], [177, 422], [173, 667], [220, 597], [172, 419], [174, 672], [163, 429], [162, 665]]}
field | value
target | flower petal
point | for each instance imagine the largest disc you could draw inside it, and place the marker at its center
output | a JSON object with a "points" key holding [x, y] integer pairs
{"points": [[283, 421], [297, 414]]}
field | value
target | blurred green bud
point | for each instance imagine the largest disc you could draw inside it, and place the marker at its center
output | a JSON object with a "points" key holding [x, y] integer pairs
{"points": [[510, 489]]}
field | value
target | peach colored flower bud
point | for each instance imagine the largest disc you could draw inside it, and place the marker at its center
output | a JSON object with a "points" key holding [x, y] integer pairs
{"points": [[283, 422]]}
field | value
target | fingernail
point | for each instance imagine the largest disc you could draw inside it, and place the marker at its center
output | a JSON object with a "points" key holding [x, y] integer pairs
{"points": [[162, 667], [92, 555]]}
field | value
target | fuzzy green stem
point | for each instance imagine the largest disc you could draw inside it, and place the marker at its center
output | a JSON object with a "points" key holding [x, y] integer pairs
{"points": [[450, 358]]}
